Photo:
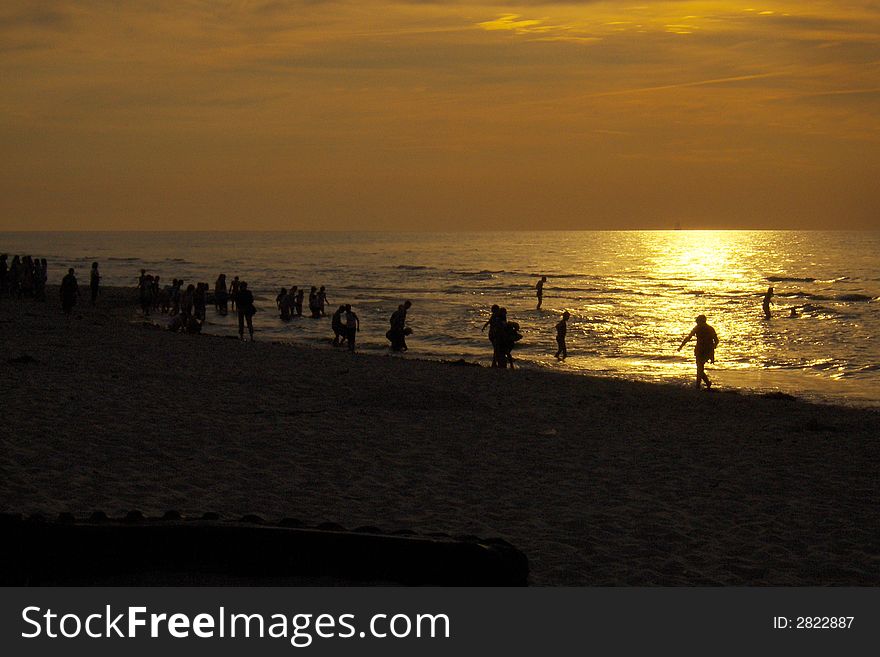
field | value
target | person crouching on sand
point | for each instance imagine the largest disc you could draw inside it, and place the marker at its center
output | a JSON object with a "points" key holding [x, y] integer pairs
{"points": [[561, 330], [704, 351], [244, 301]]}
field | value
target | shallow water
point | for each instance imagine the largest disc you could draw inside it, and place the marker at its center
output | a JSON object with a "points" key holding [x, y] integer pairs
{"points": [[632, 295]]}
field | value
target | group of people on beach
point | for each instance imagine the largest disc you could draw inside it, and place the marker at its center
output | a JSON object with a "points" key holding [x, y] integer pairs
{"points": [[23, 277], [26, 276], [290, 302]]}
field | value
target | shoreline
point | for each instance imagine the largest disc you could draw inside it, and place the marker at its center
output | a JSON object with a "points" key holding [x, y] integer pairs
{"points": [[599, 481]]}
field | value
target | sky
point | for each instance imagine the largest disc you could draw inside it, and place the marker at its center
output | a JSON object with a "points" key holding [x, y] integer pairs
{"points": [[430, 115]]}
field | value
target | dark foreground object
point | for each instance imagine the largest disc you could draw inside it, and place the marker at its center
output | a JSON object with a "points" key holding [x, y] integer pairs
{"points": [[174, 551]]}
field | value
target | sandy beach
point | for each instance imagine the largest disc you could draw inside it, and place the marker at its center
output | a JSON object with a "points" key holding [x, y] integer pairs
{"points": [[597, 481]]}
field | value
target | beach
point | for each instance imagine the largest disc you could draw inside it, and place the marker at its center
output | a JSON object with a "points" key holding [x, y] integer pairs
{"points": [[599, 481]]}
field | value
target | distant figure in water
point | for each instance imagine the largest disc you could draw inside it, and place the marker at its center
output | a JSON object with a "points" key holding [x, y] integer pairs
{"points": [[246, 310], [314, 308], [298, 300], [286, 305], [794, 313], [69, 292], [352, 326], [233, 292], [221, 296], [338, 327], [398, 331], [561, 330], [539, 291], [94, 282], [767, 301], [322, 300], [704, 351]]}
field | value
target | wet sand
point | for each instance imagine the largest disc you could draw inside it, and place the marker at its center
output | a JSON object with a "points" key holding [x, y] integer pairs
{"points": [[598, 481]]}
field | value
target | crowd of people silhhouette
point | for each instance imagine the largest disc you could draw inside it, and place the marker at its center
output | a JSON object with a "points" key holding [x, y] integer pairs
{"points": [[186, 305], [23, 277]]}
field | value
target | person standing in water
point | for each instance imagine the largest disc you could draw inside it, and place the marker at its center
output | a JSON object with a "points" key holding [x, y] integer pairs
{"points": [[398, 331], [704, 351], [322, 300], [767, 301], [221, 296], [352, 326], [561, 330], [244, 301], [69, 292], [338, 327], [539, 291], [233, 292]]}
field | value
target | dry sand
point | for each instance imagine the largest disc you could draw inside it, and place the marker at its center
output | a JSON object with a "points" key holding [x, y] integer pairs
{"points": [[599, 482]]}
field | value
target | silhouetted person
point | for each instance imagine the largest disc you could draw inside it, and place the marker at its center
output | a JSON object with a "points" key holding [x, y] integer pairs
{"points": [[41, 277], [4, 273], [69, 292], [298, 301], [352, 326], [509, 336], [704, 350], [285, 304], [233, 292], [561, 330], [322, 300], [793, 314], [493, 324], [398, 331], [176, 284], [154, 292], [15, 277], [221, 295], [767, 301], [338, 327], [146, 294], [539, 291], [200, 302], [187, 301], [246, 310], [94, 282], [314, 308], [27, 276]]}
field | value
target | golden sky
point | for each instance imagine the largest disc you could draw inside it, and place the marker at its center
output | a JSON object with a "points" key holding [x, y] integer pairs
{"points": [[366, 114]]}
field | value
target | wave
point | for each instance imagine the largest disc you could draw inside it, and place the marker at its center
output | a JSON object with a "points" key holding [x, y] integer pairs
{"points": [[825, 297], [790, 279], [413, 267]]}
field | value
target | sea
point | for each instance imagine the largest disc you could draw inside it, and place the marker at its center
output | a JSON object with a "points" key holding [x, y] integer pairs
{"points": [[632, 295]]}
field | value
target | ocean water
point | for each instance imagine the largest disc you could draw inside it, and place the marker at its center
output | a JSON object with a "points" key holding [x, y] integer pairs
{"points": [[632, 295]]}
